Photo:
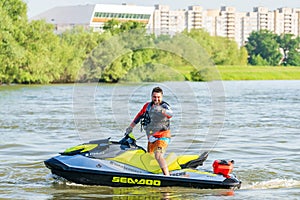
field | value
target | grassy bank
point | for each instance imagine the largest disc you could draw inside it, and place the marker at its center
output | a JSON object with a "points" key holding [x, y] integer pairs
{"points": [[250, 72], [259, 73], [182, 73]]}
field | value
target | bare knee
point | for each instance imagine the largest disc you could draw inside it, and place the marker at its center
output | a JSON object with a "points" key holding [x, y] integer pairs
{"points": [[158, 155], [160, 159]]}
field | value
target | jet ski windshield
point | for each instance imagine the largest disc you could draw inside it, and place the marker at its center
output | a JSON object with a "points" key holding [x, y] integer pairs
{"points": [[103, 149]]}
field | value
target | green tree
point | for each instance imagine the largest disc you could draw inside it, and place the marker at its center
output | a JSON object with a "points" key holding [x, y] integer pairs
{"points": [[12, 53], [225, 51], [42, 60], [293, 58], [102, 57], [153, 72], [132, 25], [75, 46], [15, 9], [118, 69], [263, 43], [258, 60], [115, 27], [289, 45], [112, 59], [112, 26], [222, 51], [203, 38]]}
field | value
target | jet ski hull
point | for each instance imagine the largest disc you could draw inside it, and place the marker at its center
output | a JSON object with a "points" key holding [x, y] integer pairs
{"points": [[83, 170]]}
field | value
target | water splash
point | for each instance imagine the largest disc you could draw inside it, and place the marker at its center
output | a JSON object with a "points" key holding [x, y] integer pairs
{"points": [[273, 184]]}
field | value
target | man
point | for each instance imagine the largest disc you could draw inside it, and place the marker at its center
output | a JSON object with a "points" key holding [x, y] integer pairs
{"points": [[155, 119]]}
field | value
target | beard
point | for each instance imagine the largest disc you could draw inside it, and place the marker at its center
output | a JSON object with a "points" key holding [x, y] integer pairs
{"points": [[157, 103]]}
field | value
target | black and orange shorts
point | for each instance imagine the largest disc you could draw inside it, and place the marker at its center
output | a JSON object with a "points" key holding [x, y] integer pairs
{"points": [[158, 145]]}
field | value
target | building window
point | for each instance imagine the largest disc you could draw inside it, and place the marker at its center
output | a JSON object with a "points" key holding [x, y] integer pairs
{"points": [[122, 15]]}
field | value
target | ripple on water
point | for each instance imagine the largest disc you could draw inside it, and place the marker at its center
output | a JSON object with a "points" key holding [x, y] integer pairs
{"points": [[260, 132]]}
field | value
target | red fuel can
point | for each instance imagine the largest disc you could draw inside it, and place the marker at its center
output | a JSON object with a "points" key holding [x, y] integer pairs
{"points": [[223, 167]]}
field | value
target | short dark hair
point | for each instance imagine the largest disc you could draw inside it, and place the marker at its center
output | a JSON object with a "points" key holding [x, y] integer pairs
{"points": [[157, 90]]}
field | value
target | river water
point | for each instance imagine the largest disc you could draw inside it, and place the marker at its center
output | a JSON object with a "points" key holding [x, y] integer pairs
{"points": [[256, 123]]}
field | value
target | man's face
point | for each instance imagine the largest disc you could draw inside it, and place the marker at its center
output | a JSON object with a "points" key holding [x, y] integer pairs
{"points": [[156, 98]]}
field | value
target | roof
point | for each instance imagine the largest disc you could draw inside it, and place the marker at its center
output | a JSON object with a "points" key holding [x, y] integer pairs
{"points": [[78, 14], [124, 8]]}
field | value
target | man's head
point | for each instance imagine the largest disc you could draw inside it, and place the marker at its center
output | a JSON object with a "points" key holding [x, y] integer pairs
{"points": [[157, 95]]}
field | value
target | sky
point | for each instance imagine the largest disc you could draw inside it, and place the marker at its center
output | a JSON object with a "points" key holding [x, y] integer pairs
{"points": [[36, 7]]}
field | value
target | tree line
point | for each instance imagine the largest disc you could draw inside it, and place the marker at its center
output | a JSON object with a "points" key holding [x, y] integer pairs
{"points": [[267, 48], [30, 51]]}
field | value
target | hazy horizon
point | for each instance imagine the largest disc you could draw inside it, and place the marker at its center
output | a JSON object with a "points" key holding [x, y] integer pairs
{"points": [[35, 7]]}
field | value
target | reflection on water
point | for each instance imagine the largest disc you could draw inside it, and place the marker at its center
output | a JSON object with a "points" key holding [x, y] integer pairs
{"points": [[260, 132], [71, 191]]}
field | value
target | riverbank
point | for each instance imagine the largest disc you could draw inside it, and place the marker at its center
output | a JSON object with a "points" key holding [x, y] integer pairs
{"points": [[259, 73], [232, 73]]}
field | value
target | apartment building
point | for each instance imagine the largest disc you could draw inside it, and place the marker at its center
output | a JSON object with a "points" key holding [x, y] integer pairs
{"points": [[168, 21], [227, 21], [160, 19], [286, 21], [194, 18], [211, 24], [249, 23]]}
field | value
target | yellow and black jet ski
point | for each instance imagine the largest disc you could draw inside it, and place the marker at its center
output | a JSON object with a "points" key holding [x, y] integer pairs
{"points": [[125, 164]]}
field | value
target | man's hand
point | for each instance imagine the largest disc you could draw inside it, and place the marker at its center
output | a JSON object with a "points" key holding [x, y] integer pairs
{"points": [[158, 108], [128, 130]]}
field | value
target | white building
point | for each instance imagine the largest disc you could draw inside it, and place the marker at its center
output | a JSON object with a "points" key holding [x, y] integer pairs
{"points": [[194, 17], [94, 16], [249, 23], [105, 12], [211, 22], [265, 18], [167, 21], [159, 19], [286, 21]]}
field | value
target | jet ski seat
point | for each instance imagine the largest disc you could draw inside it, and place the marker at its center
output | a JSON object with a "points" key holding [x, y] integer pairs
{"points": [[147, 161]]}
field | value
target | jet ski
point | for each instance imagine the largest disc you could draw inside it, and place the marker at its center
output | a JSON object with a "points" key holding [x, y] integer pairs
{"points": [[125, 164]]}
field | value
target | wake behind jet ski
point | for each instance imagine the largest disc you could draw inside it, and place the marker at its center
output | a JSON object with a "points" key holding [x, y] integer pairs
{"points": [[125, 164]]}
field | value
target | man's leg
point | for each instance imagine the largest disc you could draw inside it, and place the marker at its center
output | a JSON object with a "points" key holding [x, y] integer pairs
{"points": [[158, 148], [162, 163], [159, 156]]}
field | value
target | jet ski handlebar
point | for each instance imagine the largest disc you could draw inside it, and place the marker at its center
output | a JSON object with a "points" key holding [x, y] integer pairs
{"points": [[128, 142]]}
